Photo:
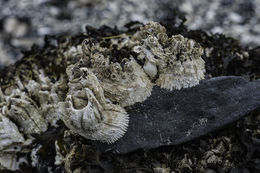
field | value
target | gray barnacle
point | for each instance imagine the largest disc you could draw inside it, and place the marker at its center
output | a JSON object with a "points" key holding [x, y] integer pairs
{"points": [[101, 80], [124, 82], [29, 105], [185, 66], [73, 52], [100, 65], [105, 79], [11, 142], [176, 60], [25, 112], [87, 112], [9, 133], [32, 104], [151, 28], [84, 115], [152, 52], [130, 85]]}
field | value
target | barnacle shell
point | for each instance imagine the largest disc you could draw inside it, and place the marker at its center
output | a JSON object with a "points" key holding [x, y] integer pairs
{"points": [[176, 60], [9, 133], [123, 82], [30, 105], [129, 86], [48, 98], [25, 112], [87, 112], [33, 104], [151, 29]]}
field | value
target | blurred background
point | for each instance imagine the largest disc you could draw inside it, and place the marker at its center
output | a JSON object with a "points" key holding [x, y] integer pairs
{"points": [[26, 22]]}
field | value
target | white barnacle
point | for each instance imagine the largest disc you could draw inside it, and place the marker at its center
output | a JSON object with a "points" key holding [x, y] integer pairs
{"points": [[127, 86], [185, 67], [84, 115], [176, 60], [26, 108], [106, 79], [9, 133], [124, 81], [32, 104], [87, 112], [25, 112], [47, 95]]}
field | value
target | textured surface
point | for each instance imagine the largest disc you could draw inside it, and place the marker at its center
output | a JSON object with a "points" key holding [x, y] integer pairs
{"points": [[169, 118]]}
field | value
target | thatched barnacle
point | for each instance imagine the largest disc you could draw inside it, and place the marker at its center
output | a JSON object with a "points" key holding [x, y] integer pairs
{"points": [[32, 104], [9, 133], [103, 77], [176, 60], [150, 29], [25, 112], [128, 85], [124, 81], [26, 108], [87, 112]]}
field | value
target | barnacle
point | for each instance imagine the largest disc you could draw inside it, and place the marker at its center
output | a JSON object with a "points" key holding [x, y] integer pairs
{"points": [[11, 161], [87, 112], [33, 104], [27, 107], [11, 141], [47, 97], [9, 133], [176, 60], [124, 81], [127, 86]]}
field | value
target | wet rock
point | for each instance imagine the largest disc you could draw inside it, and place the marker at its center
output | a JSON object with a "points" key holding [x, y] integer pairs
{"points": [[174, 117]]}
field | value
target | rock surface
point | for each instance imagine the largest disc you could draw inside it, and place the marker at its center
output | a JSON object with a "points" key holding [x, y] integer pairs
{"points": [[170, 118]]}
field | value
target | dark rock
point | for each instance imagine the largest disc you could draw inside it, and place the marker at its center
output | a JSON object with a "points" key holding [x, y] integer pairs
{"points": [[174, 117]]}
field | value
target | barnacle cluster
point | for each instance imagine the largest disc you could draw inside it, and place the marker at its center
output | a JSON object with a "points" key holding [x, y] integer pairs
{"points": [[173, 62], [103, 76], [26, 109], [102, 83]]}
